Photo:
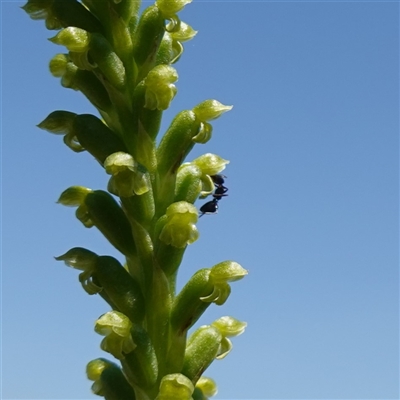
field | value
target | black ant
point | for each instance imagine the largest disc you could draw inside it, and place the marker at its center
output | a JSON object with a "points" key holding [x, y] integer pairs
{"points": [[211, 207]]}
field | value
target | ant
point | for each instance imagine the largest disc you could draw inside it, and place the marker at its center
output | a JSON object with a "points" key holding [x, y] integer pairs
{"points": [[211, 207]]}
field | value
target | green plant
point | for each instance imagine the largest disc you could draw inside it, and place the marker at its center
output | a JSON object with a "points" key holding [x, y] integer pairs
{"points": [[121, 61]]}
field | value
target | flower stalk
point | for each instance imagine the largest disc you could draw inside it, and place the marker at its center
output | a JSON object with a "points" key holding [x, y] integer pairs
{"points": [[121, 61]]}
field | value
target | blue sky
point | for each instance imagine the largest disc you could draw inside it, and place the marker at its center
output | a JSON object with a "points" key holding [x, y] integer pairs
{"points": [[312, 210]]}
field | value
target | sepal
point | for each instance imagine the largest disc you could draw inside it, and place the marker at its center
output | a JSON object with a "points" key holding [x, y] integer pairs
{"points": [[116, 327], [175, 387], [128, 177]]}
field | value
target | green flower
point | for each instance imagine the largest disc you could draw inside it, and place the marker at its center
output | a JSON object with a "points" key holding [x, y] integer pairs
{"points": [[180, 229], [128, 177]]}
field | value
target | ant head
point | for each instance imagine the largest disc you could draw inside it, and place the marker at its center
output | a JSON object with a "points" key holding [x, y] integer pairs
{"points": [[218, 179]]}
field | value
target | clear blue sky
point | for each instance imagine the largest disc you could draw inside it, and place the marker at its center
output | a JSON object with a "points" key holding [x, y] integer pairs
{"points": [[312, 210]]}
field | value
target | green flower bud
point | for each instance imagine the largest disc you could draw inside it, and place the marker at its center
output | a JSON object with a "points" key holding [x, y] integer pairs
{"points": [[160, 89], [116, 327], [98, 208], [179, 229], [177, 142], [170, 7], [105, 275], [210, 164], [111, 221], [74, 196], [202, 348], [60, 122], [165, 52], [106, 60], [121, 288], [221, 274], [95, 137], [188, 183], [58, 65], [184, 33], [140, 365], [42, 9], [115, 386], [175, 387], [207, 386], [204, 134], [109, 380], [74, 39], [73, 13], [210, 109], [147, 39], [79, 258], [84, 81], [84, 260], [95, 367], [128, 177], [188, 306], [228, 327]]}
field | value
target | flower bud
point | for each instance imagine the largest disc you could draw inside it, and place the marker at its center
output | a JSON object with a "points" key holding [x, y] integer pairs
{"points": [[116, 327], [160, 89], [58, 122], [184, 33], [207, 386], [106, 60], [202, 348], [179, 229], [128, 177], [42, 9], [74, 39], [58, 65], [79, 258], [210, 164], [177, 142], [73, 13], [96, 137], [188, 183], [121, 288], [147, 39], [221, 274], [175, 387], [74, 196], [228, 327], [210, 109], [140, 365], [109, 380], [188, 306], [170, 7]]}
